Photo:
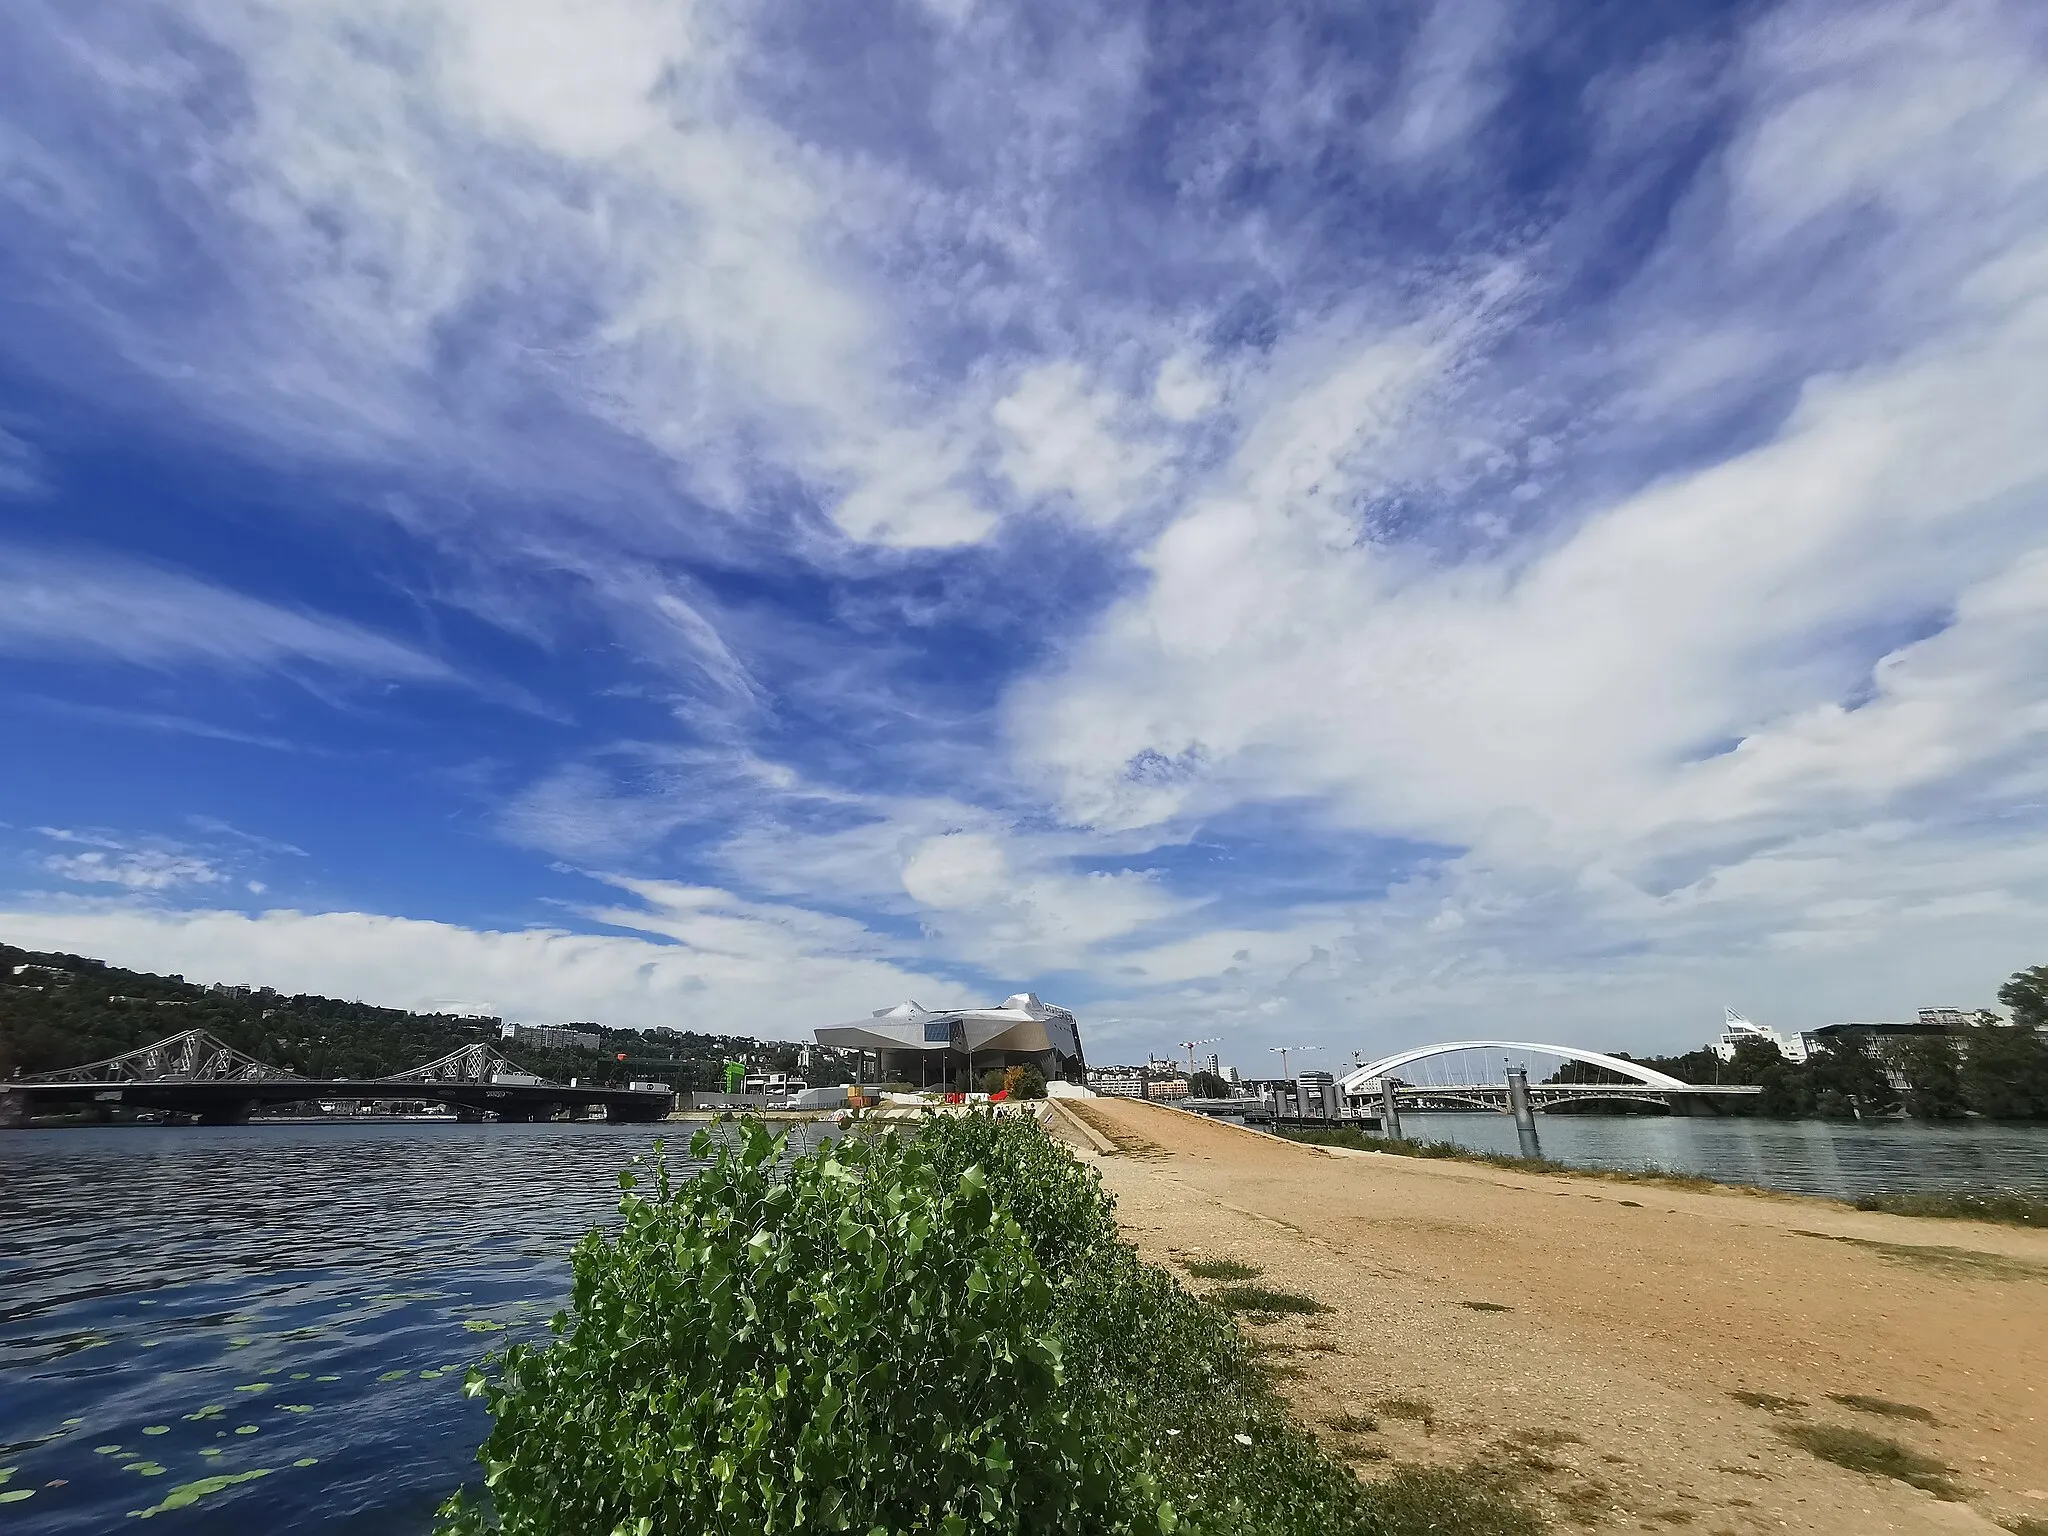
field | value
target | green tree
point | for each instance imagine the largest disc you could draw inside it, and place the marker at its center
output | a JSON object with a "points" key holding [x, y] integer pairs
{"points": [[1788, 1091], [1751, 1061], [1934, 1077], [1787, 1086], [1024, 1082], [2026, 994], [1207, 1085], [2005, 1071], [1848, 1079]]}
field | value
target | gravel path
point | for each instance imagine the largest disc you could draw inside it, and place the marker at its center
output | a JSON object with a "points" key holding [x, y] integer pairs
{"points": [[1589, 1338]]}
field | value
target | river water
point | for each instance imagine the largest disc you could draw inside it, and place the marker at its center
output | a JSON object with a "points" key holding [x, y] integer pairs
{"points": [[279, 1314], [282, 1315], [1842, 1159]]}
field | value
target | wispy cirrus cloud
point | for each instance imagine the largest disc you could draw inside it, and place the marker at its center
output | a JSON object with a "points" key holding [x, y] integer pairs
{"points": [[54, 605], [21, 467]]}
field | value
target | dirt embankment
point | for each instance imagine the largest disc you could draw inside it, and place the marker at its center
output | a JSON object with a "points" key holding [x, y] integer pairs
{"points": [[1637, 1356]]}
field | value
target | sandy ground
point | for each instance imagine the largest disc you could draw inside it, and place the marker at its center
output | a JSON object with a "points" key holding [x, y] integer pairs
{"points": [[1587, 1336]]}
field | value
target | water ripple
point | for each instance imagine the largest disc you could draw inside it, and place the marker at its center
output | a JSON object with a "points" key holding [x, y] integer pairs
{"points": [[273, 1318]]}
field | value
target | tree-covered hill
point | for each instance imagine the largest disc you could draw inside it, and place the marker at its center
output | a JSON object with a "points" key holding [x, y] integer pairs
{"points": [[65, 1010]]}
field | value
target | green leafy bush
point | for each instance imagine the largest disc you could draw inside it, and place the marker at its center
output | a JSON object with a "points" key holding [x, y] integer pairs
{"points": [[939, 1333], [1180, 1381], [853, 1341]]}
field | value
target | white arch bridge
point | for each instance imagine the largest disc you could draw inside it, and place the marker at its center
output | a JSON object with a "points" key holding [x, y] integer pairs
{"points": [[1473, 1074]]}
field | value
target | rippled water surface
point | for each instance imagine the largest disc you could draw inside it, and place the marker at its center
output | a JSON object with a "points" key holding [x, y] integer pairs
{"points": [[280, 1315], [1808, 1157]]}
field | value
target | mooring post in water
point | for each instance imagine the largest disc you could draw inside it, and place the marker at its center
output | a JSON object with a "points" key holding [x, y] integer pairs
{"points": [[1525, 1115], [1390, 1117]]}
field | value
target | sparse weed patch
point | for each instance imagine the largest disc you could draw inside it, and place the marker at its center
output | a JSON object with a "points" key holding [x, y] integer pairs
{"points": [[1221, 1269], [1882, 1406], [1451, 1501], [1486, 1306], [2012, 1207], [1861, 1451], [1412, 1409], [1263, 1298], [1349, 1423], [1585, 1501], [1768, 1402], [1964, 1263], [1545, 1439], [1355, 1140]]}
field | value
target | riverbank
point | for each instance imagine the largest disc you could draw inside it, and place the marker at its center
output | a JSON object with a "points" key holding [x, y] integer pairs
{"points": [[1640, 1354], [2014, 1208]]}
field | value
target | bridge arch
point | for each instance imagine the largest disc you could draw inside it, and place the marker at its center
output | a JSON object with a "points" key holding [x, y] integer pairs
{"points": [[1363, 1079]]}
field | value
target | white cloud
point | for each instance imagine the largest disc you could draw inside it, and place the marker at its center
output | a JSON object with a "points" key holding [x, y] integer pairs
{"points": [[736, 968], [21, 467], [145, 869], [1062, 438], [1277, 653], [52, 605], [588, 202], [1017, 916], [1452, 78]]}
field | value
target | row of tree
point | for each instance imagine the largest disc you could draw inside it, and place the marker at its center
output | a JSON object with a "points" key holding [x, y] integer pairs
{"points": [[1994, 1069], [59, 1011]]}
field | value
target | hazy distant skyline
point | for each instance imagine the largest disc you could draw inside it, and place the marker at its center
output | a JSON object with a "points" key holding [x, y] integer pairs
{"points": [[1352, 524]]}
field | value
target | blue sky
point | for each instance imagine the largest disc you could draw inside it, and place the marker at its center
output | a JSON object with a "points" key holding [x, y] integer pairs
{"points": [[1351, 524]]}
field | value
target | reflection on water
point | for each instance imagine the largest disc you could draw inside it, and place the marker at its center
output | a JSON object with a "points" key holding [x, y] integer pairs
{"points": [[1809, 1157], [280, 1315]]}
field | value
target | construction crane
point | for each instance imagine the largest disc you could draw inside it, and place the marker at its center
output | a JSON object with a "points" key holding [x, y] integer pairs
{"points": [[1189, 1047], [1297, 1049]]}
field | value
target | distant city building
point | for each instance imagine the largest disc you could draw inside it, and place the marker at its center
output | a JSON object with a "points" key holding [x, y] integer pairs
{"points": [[1118, 1082], [551, 1037], [1231, 1073], [1947, 1018], [1215, 1065], [1167, 1088], [1736, 1029]]}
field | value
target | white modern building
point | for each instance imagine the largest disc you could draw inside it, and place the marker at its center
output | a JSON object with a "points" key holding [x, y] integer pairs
{"points": [[1737, 1029], [927, 1047]]}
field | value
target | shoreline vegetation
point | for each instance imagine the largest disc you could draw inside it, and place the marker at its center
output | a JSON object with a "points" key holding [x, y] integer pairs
{"points": [[2015, 1208], [938, 1331]]}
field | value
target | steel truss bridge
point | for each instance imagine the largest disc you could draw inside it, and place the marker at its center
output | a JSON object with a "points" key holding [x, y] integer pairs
{"points": [[195, 1074]]}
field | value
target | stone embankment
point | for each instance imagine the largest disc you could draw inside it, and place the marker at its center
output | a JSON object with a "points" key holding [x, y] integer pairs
{"points": [[1635, 1356]]}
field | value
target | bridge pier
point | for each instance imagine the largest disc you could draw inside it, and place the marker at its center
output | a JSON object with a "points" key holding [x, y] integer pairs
{"points": [[1525, 1114], [623, 1114], [13, 1110], [234, 1112]]}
